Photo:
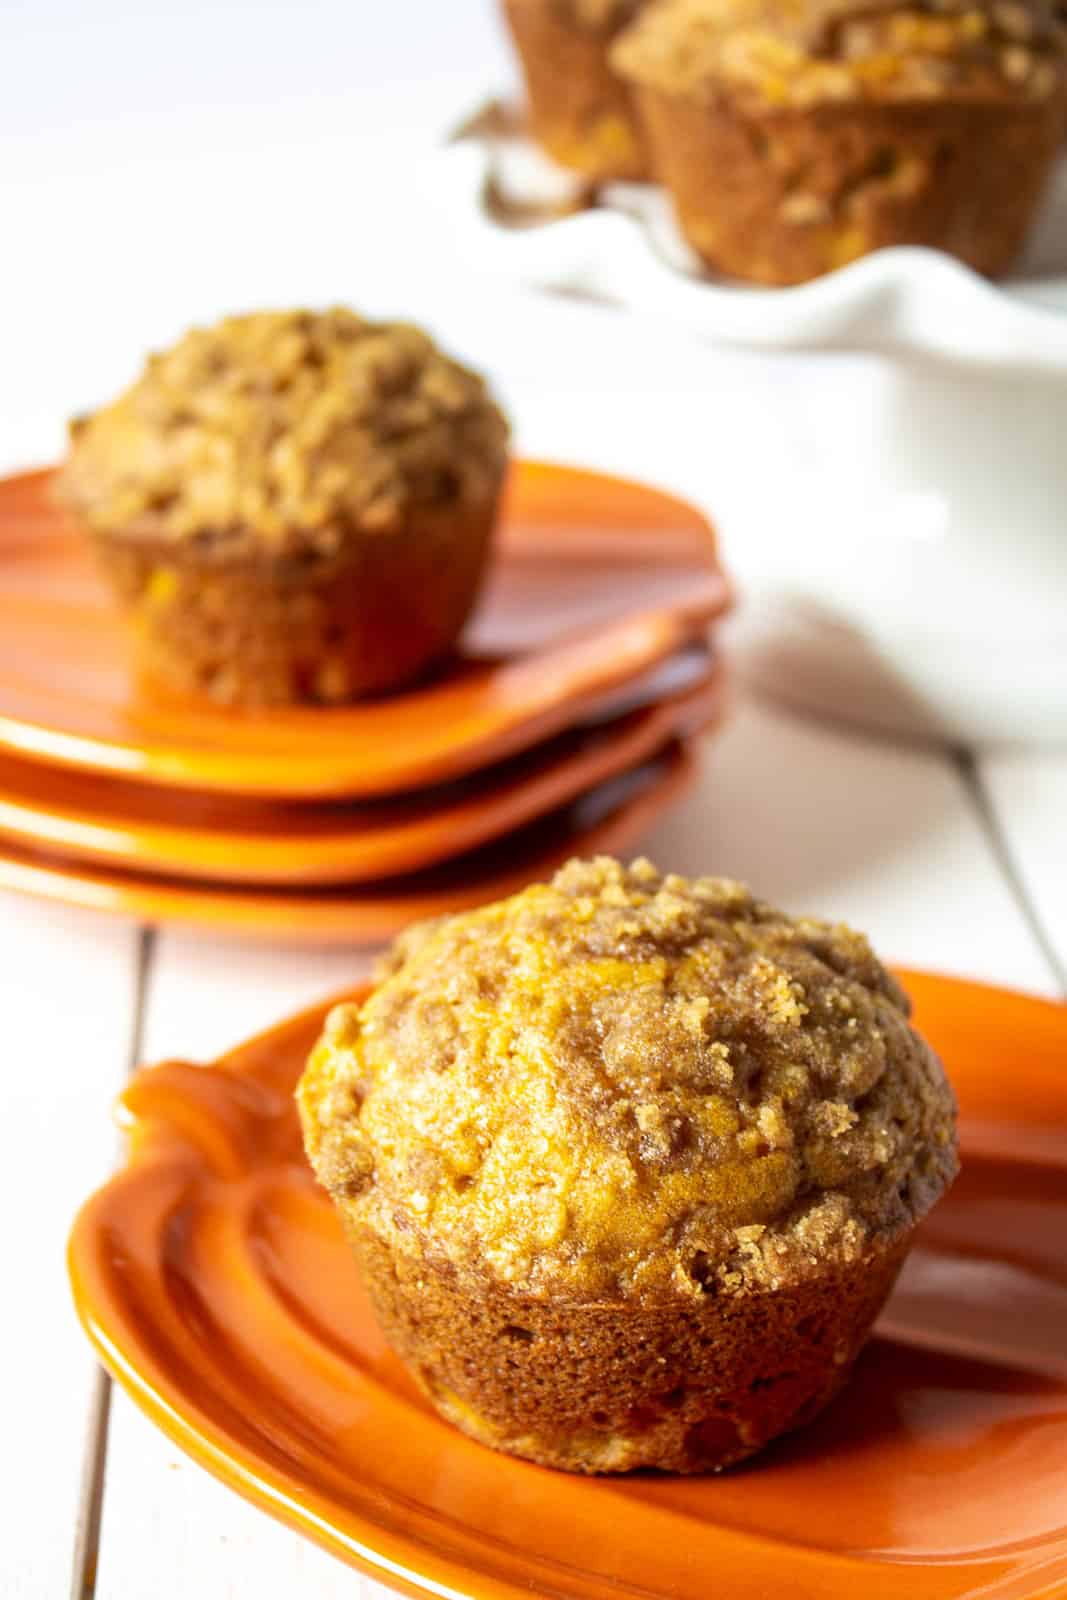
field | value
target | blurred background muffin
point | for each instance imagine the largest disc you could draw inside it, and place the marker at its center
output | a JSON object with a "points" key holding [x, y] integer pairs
{"points": [[580, 110], [293, 506], [797, 135], [630, 1163]]}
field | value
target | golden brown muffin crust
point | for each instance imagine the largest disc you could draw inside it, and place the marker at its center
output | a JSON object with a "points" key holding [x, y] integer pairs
{"points": [[624, 1082], [808, 52], [580, 112], [288, 432], [599, 16], [690, 1385]]}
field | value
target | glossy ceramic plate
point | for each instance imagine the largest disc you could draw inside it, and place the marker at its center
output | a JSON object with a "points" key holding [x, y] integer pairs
{"points": [[183, 834], [611, 818], [212, 1278], [595, 581]]}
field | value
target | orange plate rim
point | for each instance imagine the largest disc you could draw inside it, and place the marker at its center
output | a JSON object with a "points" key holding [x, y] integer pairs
{"points": [[110, 828], [368, 913]]}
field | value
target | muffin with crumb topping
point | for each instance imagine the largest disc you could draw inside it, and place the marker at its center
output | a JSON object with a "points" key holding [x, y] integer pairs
{"points": [[580, 110], [797, 135], [630, 1163], [293, 506]]}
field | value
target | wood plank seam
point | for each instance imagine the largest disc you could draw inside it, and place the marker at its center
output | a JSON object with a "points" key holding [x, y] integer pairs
{"points": [[91, 1497], [979, 794]]}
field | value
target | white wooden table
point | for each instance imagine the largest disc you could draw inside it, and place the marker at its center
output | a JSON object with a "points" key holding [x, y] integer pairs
{"points": [[173, 171]]}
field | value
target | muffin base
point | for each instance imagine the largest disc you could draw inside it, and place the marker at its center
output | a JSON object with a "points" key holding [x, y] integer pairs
{"points": [[787, 194], [683, 1385], [260, 630], [582, 114]]}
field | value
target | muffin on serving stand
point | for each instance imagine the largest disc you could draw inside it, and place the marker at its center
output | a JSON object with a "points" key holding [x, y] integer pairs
{"points": [[580, 110], [797, 135], [293, 506], [629, 1163]]}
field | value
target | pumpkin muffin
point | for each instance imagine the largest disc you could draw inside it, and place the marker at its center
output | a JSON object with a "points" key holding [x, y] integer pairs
{"points": [[629, 1162], [797, 135], [293, 506], [580, 110]]}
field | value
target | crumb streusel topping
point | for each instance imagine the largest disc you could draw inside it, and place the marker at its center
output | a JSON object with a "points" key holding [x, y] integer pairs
{"points": [[806, 52], [290, 431], [625, 1082]]}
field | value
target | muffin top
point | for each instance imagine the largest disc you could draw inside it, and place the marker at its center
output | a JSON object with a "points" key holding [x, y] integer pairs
{"points": [[627, 1083], [290, 430], [806, 52]]}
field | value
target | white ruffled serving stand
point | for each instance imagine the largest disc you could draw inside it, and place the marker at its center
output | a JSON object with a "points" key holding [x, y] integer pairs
{"points": [[926, 589]]}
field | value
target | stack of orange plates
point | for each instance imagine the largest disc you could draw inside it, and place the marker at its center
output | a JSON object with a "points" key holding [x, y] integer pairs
{"points": [[563, 726]]}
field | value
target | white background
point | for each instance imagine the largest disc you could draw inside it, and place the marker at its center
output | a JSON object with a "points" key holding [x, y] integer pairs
{"points": [[163, 164]]}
